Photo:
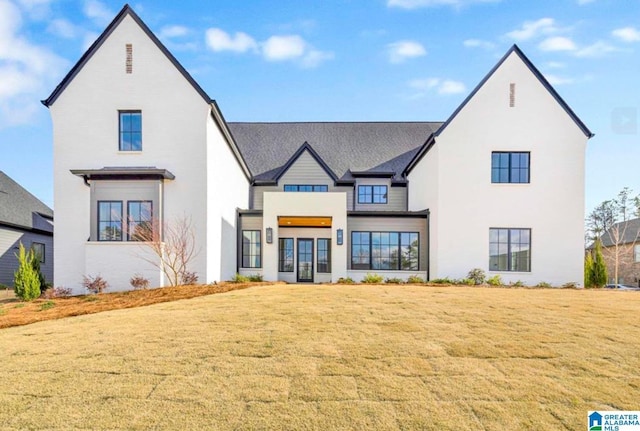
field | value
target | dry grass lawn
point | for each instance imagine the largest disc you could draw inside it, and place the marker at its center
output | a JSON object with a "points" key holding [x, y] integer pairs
{"points": [[330, 358]]}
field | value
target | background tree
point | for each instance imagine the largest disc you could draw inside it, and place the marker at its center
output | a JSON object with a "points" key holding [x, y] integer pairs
{"points": [[601, 219], [26, 282], [599, 268]]}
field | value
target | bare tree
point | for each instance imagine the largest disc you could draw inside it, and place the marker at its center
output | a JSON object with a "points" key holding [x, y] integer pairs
{"points": [[603, 217], [174, 247], [620, 241]]}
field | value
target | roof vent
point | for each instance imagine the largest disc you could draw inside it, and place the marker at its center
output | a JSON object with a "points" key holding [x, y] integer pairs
{"points": [[129, 62], [512, 94]]}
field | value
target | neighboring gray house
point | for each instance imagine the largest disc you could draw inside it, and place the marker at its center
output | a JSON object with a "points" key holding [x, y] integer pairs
{"points": [[23, 219]]}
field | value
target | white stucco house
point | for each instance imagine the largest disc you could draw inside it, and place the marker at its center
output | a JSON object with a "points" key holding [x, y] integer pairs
{"points": [[498, 186]]}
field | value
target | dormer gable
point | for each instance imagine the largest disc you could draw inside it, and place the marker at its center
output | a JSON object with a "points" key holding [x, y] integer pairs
{"points": [[307, 152]]}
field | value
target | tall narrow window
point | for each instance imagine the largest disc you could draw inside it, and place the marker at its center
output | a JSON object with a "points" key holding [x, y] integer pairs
{"points": [[251, 256], [384, 250], [360, 250], [109, 221], [324, 255], [510, 250], [285, 255], [510, 167], [38, 249], [409, 251], [130, 130], [139, 218]]}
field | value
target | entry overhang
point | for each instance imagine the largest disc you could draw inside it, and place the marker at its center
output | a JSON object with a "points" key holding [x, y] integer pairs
{"points": [[304, 221]]}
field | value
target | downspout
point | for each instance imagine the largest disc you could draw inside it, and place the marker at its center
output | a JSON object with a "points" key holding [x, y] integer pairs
{"points": [[428, 243], [238, 240]]}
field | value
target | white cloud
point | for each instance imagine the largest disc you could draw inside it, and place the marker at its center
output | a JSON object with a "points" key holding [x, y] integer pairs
{"points": [[27, 71], [36, 9], [557, 43], [557, 80], [598, 49], [173, 31], [405, 49], [531, 29], [63, 28], [440, 86], [415, 4], [98, 12], [555, 65], [314, 58], [219, 40], [280, 48], [477, 43], [627, 34]]}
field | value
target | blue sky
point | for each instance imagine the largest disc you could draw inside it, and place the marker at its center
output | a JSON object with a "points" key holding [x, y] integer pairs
{"points": [[349, 60]]}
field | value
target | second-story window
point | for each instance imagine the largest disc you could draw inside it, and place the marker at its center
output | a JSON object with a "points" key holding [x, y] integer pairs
{"points": [[305, 188], [130, 131], [372, 194], [510, 167]]}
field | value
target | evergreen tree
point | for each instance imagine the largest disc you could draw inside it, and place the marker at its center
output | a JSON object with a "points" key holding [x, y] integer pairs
{"points": [[588, 270], [36, 268], [599, 277], [26, 281]]}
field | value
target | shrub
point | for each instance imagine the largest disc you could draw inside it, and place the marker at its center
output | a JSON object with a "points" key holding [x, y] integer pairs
{"points": [[139, 282], [5, 287], [588, 269], [415, 279], [95, 284], [394, 280], [47, 305], [599, 269], [347, 280], [543, 284], [477, 275], [465, 282], [445, 280], [570, 285], [255, 277], [496, 280], [26, 280], [239, 278], [372, 279], [188, 278], [57, 292], [517, 283]]}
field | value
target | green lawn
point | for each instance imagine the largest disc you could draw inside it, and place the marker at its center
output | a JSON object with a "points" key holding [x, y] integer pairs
{"points": [[330, 357]]}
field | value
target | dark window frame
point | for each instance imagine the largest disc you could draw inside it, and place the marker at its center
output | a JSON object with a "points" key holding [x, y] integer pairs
{"points": [[138, 222], [370, 250], [511, 262], [507, 170], [373, 194], [323, 266], [283, 259], [252, 243], [110, 220], [41, 257], [313, 188], [131, 132]]}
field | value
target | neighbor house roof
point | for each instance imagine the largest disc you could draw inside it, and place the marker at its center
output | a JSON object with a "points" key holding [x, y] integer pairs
{"points": [[19, 208], [363, 148], [624, 232]]}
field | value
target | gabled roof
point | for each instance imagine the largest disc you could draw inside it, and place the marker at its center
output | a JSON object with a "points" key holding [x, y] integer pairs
{"points": [[306, 147], [19, 208], [537, 74], [624, 232], [126, 10], [366, 148]]}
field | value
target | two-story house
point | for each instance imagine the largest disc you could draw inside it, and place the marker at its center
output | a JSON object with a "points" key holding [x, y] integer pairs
{"points": [[498, 186]]}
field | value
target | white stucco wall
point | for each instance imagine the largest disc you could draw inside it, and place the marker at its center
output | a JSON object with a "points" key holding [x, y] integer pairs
{"points": [[467, 204], [304, 204], [85, 133]]}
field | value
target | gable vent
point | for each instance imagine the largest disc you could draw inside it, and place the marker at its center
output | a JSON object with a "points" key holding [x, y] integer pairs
{"points": [[129, 62], [512, 94]]}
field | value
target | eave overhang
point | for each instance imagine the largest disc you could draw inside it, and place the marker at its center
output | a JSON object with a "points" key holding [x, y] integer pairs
{"points": [[124, 173]]}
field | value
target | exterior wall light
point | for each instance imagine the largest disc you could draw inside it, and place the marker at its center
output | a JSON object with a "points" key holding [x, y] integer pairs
{"points": [[340, 237], [269, 235]]}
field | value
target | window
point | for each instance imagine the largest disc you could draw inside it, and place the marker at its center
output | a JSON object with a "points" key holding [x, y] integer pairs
{"points": [[109, 221], [636, 253], [324, 255], [510, 250], [251, 249], [139, 217], [509, 167], [385, 250], [305, 188], [285, 253], [130, 130], [372, 194], [38, 249]]}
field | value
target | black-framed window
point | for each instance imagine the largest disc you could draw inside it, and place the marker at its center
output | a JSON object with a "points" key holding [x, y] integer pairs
{"points": [[306, 188], [323, 257], [510, 167], [385, 250], [510, 249], [251, 245], [130, 126], [38, 249], [109, 220], [285, 255], [140, 220], [372, 194]]}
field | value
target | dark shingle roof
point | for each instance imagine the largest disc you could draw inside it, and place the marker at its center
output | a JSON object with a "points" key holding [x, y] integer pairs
{"points": [[627, 231], [20, 208], [344, 147]]}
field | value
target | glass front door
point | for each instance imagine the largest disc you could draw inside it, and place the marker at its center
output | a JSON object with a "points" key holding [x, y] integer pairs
{"points": [[305, 260]]}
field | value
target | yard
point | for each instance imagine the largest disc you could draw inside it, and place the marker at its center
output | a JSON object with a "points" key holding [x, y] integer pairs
{"points": [[330, 357]]}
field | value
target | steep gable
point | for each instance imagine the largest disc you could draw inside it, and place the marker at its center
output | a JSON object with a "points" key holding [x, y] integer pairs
{"points": [[20, 208]]}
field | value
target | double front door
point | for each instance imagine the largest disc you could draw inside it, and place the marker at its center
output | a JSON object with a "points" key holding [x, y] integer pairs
{"points": [[305, 260]]}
